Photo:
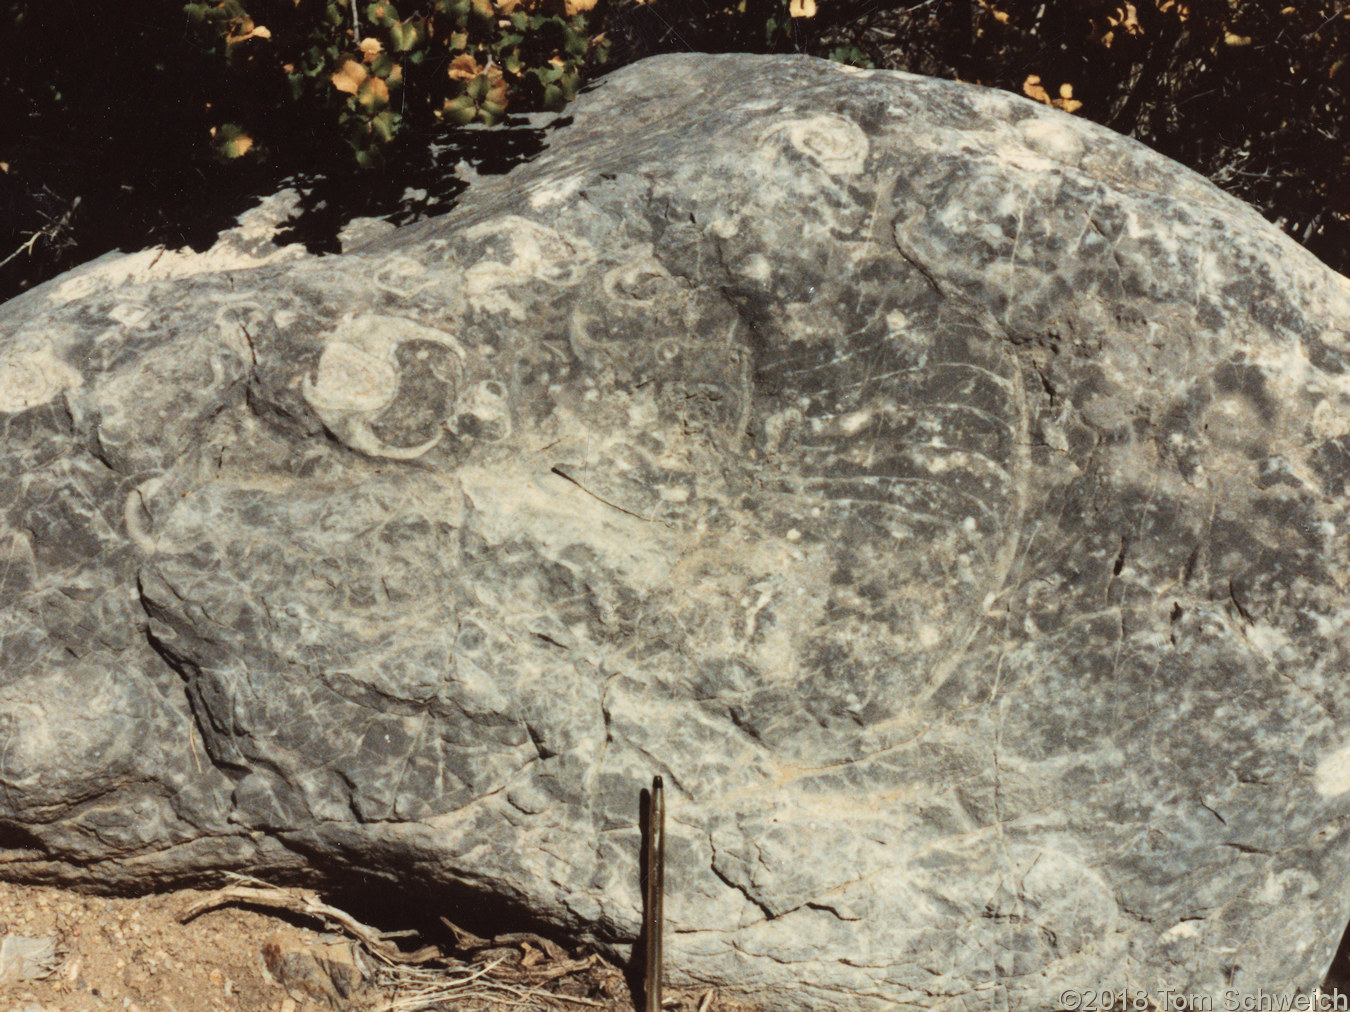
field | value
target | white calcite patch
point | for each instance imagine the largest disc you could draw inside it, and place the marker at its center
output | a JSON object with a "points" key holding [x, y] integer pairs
{"points": [[490, 405], [1054, 136], [756, 267], [130, 315], [1331, 418], [1018, 157], [929, 636], [556, 192], [248, 244], [1331, 778], [1185, 929], [854, 422]]}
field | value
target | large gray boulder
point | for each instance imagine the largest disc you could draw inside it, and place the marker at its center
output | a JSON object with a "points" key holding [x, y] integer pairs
{"points": [[945, 495]]}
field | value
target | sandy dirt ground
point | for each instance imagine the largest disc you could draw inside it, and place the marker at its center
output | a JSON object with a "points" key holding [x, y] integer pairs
{"points": [[194, 951], [62, 951]]}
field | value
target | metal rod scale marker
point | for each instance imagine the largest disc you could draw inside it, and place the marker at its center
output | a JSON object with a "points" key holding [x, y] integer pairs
{"points": [[655, 915]]}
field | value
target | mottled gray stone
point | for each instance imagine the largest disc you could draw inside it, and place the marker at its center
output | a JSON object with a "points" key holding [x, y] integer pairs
{"points": [[945, 495]]}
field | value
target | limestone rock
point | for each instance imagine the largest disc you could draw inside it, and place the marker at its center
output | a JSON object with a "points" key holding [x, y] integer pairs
{"points": [[946, 496]]}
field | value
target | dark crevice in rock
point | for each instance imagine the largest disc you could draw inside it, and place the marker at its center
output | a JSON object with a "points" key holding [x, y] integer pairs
{"points": [[763, 908]]}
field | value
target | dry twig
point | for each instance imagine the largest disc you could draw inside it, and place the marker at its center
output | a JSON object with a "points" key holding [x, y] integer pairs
{"points": [[306, 903]]}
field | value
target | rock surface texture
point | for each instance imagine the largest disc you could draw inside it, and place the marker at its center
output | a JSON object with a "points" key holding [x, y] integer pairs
{"points": [[945, 495]]}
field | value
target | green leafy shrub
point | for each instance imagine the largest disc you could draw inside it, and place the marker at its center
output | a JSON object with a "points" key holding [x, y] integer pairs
{"points": [[640, 28], [371, 69]]}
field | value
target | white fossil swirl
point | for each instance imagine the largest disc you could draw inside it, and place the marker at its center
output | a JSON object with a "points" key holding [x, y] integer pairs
{"points": [[30, 379], [636, 283], [402, 276], [356, 379], [536, 252], [352, 378], [835, 143]]}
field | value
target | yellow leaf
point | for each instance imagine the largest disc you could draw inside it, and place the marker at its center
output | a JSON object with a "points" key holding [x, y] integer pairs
{"points": [[348, 77], [571, 7], [463, 68], [1000, 16], [1129, 19], [497, 88], [374, 94], [802, 8], [1236, 40], [1066, 101], [1032, 88], [371, 47], [246, 29]]}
